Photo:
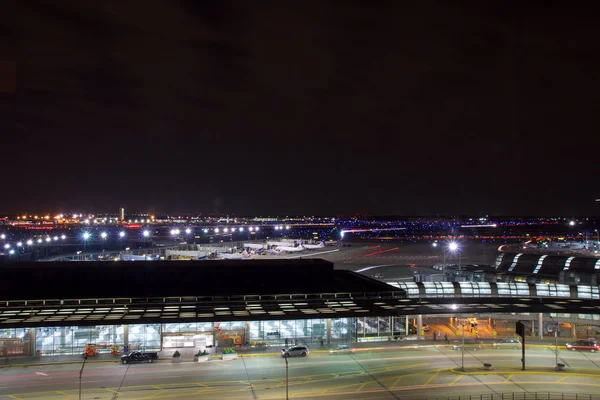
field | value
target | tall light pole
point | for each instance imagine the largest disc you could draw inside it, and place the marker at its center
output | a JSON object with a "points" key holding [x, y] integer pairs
{"points": [[462, 355], [454, 248], [286, 378], [86, 236]]}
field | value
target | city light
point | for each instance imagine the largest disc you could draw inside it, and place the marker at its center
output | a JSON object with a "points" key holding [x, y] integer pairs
{"points": [[63, 237], [241, 229], [453, 246], [232, 229], [216, 230], [146, 233], [29, 242], [572, 223], [122, 234], [3, 236], [287, 227], [55, 238], [256, 229], [48, 239], [251, 229], [103, 235], [39, 241], [205, 230], [86, 235], [434, 244], [7, 246], [19, 244], [11, 252], [188, 231], [225, 230]]}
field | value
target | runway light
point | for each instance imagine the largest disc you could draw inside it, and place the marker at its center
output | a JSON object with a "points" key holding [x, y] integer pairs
{"points": [[29, 242], [241, 229], [48, 239], [7, 246], [205, 230], [19, 244], [146, 233], [434, 244], [188, 231], [103, 235], [11, 252], [232, 229], [251, 229], [121, 234], [55, 238], [572, 223], [86, 235], [3, 236], [287, 227], [256, 229], [216, 230], [63, 237], [39, 241], [225, 230]]}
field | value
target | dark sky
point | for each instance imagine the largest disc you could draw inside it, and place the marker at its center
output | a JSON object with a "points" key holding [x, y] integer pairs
{"points": [[310, 107]]}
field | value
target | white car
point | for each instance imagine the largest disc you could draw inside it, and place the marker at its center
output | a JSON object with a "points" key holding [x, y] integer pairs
{"points": [[342, 349]]}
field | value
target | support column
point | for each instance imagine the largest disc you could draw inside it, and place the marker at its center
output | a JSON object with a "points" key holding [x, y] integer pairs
{"points": [[377, 326], [573, 331], [541, 325], [125, 335], [392, 326], [328, 331], [406, 333], [533, 328], [31, 337], [419, 326], [364, 326]]}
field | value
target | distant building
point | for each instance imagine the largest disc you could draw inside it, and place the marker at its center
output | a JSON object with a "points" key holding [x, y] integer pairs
{"points": [[121, 213]]}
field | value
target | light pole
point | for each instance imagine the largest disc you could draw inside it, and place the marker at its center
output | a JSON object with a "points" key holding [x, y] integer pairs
{"points": [[81, 373], [556, 328], [286, 378], [454, 248], [462, 348], [86, 236]]}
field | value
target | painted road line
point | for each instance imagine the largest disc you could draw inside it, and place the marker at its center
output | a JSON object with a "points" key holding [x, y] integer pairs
{"points": [[432, 377], [314, 254], [456, 380], [508, 378]]}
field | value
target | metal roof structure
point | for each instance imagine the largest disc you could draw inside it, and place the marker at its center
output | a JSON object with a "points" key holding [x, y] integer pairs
{"points": [[228, 291]]}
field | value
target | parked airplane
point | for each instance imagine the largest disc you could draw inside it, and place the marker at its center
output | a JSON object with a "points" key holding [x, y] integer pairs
{"points": [[314, 246], [254, 246], [289, 249], [234, 256]]}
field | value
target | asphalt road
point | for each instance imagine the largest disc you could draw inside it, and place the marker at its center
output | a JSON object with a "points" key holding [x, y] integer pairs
{"points": [[394, 373]]}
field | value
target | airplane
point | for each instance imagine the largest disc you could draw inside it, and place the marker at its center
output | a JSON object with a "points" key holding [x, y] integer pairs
{"points": [[314, 246], [279, 244], [289, 249], [234, 256], [254, 246]]}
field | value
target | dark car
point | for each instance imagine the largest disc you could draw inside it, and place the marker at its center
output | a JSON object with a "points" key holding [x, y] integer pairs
{"points": [[135, 356], [584, 345], [301, 351]]}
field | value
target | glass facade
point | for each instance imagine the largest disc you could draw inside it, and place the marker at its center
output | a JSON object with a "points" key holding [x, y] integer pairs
{"points": [[154, 337]]}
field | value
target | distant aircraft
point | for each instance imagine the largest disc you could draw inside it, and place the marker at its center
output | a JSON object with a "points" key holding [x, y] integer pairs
{"points": [[314, 246], [289, 249], [279, 244], [234, 256], [254, 246]]}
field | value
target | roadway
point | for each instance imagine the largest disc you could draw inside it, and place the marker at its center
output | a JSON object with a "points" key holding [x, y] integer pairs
{"points": [[415, 372]]}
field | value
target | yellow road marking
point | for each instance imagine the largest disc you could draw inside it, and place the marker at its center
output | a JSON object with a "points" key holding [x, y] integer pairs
{"points": [[456, 380], [563, 378], [361, 387], [508, 378], [432, 377]]}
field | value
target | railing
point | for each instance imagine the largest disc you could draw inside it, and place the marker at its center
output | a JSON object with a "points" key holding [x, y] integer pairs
{"points": [[522, 396]]}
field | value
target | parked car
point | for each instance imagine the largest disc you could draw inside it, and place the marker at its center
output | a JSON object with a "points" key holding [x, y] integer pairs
{"points": [[342, 349], [507, 343], [294, 351], [135, 356], [584, 345]]}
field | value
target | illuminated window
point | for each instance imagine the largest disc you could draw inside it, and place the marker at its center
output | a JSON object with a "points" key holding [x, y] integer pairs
{"points": [[568, 263], [539, 264]]}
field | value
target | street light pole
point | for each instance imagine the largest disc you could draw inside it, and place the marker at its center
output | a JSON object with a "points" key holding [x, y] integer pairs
{"points": [[286, 379], [462, 356]]}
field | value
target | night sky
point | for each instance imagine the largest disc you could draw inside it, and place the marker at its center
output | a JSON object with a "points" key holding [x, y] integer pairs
{"points": [[300, 108]]}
